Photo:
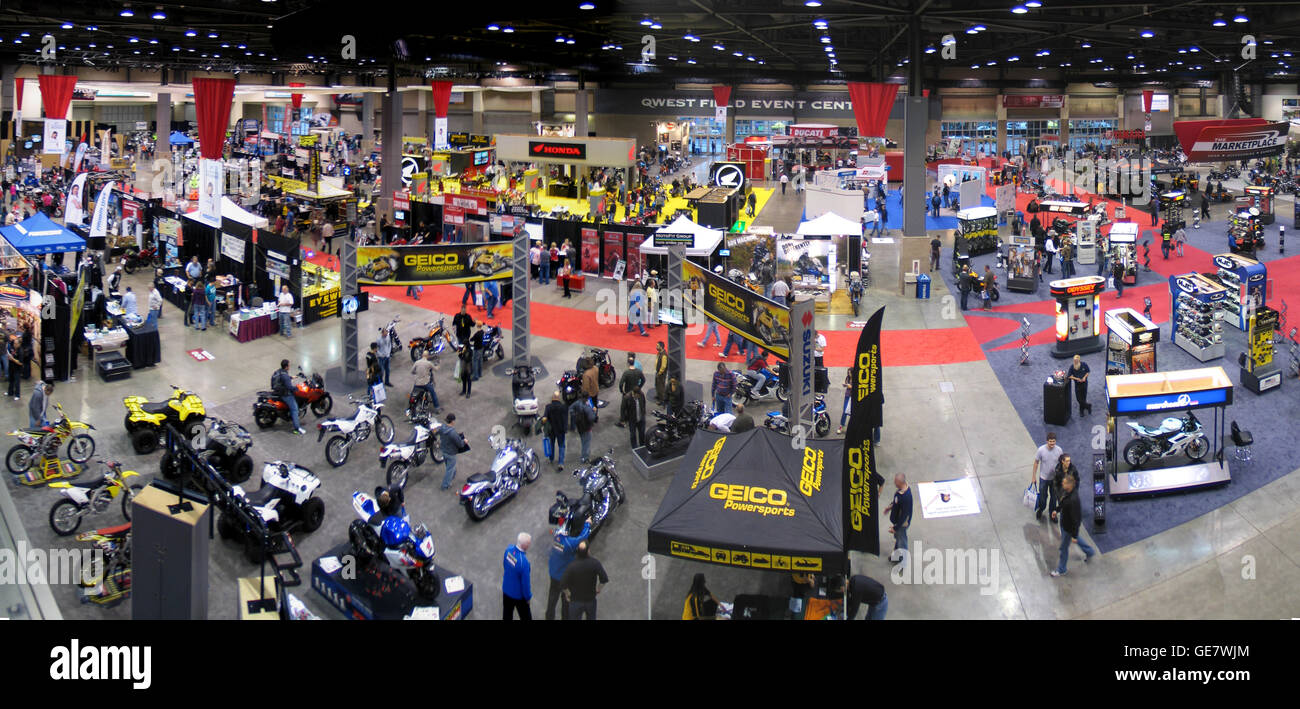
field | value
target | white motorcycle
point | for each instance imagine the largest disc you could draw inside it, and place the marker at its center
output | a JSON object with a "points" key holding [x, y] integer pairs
{"points": [[376, 534], [1174, 436], [513, 466], [355, 429], [399, 458], [522, 380]]}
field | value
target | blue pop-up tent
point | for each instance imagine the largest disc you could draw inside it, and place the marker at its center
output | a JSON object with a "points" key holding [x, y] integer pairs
{"points": [[38, 235], [179, 138]]}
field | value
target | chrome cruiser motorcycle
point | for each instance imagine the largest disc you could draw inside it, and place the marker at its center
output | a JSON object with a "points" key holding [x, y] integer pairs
{"points": [[602, 493], [513, 466]]}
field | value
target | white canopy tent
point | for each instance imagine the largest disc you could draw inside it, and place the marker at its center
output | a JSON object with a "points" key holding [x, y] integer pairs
{"points": [[706, 239], [235, 213], [830, 224]]}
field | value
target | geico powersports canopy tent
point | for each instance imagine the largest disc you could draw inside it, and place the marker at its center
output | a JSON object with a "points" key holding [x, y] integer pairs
{"points": [[753, 500]]}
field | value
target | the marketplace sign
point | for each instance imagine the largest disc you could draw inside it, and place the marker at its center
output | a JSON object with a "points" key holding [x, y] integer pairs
{"points": [[764, 104], [1230, 140]]}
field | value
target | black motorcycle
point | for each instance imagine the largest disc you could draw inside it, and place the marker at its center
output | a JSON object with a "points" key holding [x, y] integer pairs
{"points": [[570, 384], [605, 373], [602, 493], [674, 427]]}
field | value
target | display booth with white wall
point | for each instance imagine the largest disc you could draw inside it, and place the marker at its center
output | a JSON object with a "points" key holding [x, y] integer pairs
{"points": [[821, 199]]}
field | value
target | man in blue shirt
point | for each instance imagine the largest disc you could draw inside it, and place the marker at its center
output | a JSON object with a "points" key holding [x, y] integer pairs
{"points": [[563, 549], [516, 582], [128, 302]]}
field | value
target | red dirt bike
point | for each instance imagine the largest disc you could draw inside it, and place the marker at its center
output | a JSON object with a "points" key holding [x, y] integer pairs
{"points": [[310, 393], [147, 257]]}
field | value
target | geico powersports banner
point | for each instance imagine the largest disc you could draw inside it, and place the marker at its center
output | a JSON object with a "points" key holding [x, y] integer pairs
{"points": [[764, 322], [1222, 140], [437, 263], [861, 523]]}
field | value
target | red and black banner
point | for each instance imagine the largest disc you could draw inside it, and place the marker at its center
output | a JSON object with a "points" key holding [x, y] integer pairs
{"points": [[1222, 140], [547, 149], [861, 506]]}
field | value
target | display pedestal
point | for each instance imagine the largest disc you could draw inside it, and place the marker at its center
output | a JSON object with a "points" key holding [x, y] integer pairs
{"points": [[1022, 285], [376, 591], [1065, 349], [652, 468], [1262, 379], [1204, 354], [169, 565], [1056, 403]]}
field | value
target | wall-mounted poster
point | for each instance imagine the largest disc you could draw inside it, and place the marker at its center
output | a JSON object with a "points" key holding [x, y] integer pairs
{"points": [[613, 251], [590, 251]]}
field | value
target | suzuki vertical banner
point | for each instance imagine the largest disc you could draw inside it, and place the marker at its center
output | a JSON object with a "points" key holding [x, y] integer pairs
{"points": [[73, 209], [428, 264], [590, 251], [106, 148], [441, 99], [81, 155], [210, 182], [861, 508], [56, 95], [803, 362], [56, 131], [764, 322]]}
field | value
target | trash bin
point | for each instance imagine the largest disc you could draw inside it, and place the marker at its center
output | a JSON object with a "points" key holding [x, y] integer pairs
{"points": [[923, 286]]}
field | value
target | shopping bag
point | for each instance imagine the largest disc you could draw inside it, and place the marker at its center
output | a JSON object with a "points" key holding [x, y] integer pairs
{"points": [[378, 393], [1030, 498], [1110, 283], [547, 448], [456, 373], [478, 298]]}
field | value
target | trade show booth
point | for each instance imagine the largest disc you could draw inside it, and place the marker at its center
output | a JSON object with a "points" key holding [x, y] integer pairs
{"points": [[977, 232], [1130, 342], [1123, 249], [1246, 283], [1078, 315], [1197, 304]]}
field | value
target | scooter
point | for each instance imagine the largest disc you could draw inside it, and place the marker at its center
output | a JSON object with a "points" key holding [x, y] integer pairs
{"points": [[513, 466], [399, 458], [493, 344], [310, 393], [354, 429], [92, 497], [376, 535], [522, 380]]}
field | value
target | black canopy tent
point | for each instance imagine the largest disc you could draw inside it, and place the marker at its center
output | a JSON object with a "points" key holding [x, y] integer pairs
{"points": [[752, 500]]}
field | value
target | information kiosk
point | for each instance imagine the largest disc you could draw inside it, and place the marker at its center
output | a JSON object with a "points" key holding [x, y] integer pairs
{"points": [[1078, 315]]}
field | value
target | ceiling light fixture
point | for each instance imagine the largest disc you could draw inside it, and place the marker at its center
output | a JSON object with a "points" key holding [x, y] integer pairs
{"points": [[647, 22], [812, 3], [587, 6], [66, 25], [191, 33], [127, 12], [929, 50], [737, 54], [508, 29], [1086, 45], [493, 27], [656, 26], [212, 34], [826, 39], [1147, 34], [820, 24], [1033, 4], [1219, 22], [1013, 59], [1019, 10], [159, 14], [1240, 17], [719, 47]]}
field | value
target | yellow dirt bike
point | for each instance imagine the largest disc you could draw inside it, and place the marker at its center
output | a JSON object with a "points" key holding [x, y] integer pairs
{"points": [[92, 496], [47, 441], [145, 420]]}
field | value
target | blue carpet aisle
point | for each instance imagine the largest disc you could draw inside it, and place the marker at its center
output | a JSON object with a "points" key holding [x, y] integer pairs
{"points": [[894, 207]]}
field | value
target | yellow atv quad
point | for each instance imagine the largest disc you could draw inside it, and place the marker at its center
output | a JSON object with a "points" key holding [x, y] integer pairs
{"points": [[146, 421]]}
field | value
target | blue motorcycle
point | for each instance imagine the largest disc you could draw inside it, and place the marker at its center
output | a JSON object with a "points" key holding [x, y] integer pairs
{"points": [[779, 422]]}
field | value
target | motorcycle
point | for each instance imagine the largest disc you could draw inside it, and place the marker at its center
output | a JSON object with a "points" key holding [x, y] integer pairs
{"points": [[493, 344], [147, 257], [674, 427], [525, 401], [399, 458], [375, 535], [779, 422], [768, 326], [602, 493], [354, 429], [438, 339], [605, 373], [310, 393], [47, 441], [570, 384], [807, 266], [1174, 436], [855, 290], [513, 466], [108, 583], [750, 388], [92, 497], [393, 337]]}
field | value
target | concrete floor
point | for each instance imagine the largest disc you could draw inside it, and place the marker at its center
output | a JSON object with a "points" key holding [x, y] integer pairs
{"points": [[1196, 570]]}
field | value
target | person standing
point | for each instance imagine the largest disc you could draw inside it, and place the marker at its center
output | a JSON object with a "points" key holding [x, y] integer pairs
{"points": [[900, 516], [632, 378], [964, 286], [582, 582], [564, 547], [661, 372], [1049, 246], [635, 308], [1071, 516], [491, 297], [452, 442], [198, 306], [193, 269], [591, 383], [128, 302], [209, 298], [13, 352], [1064, 467], [1078, 374], [38, 403], [1045, 460], [582, 417], [466, 362], [557, 426], [155, 303], [1117, 272], [463, 324], [535, 260], [384, 353], [479, 342], [785, 182], [935, 247], [374, 375], [285, 302], [724, 385], [848, 397], [516, 579], [469, 295], [634, 413]]}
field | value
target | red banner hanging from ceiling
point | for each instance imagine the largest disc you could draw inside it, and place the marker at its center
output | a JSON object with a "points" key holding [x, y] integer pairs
{"points": [[18, 92], [296, 98], [872, 104], [212, 98], [56, 94], [441, 97], [1146, 100], [722, 95]]}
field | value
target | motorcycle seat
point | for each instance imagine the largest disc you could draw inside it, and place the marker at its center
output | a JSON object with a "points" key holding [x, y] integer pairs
{"points": [[96, 480], [261, 495], [161, 407], [267, 395], [488, 477]]}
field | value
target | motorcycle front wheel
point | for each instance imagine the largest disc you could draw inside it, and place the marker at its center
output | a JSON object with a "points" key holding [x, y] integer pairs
{"points": [[417, 351], [531, 472], [384, 430], [19, 459], [128, 265], [398, 474], [1197, 448], [128, 498], [81, 448], [65, 517], [1136, 453], [336, 451], [822, 426], [782, 393], [739, 397]]}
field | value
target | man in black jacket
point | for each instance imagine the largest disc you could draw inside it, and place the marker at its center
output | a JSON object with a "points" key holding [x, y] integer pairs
{"points": [[634, 413], [744, 422], [557, 423], [1071, 516], [462, 323], [632, 378], [964, 287]]}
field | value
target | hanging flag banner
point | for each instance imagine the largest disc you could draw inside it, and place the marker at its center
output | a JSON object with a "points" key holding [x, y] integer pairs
{"points": [[872, 104], [99, 222], [764, 322], [210, 172], [56, 131], [1227, 140], [81, 155], [441, 100], [428, 264], [18, 101], [861, 506], [73, 209], [105, 148]]}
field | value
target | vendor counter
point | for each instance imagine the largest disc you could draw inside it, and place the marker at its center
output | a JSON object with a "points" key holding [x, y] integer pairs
{"points": [[249, 324]]}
